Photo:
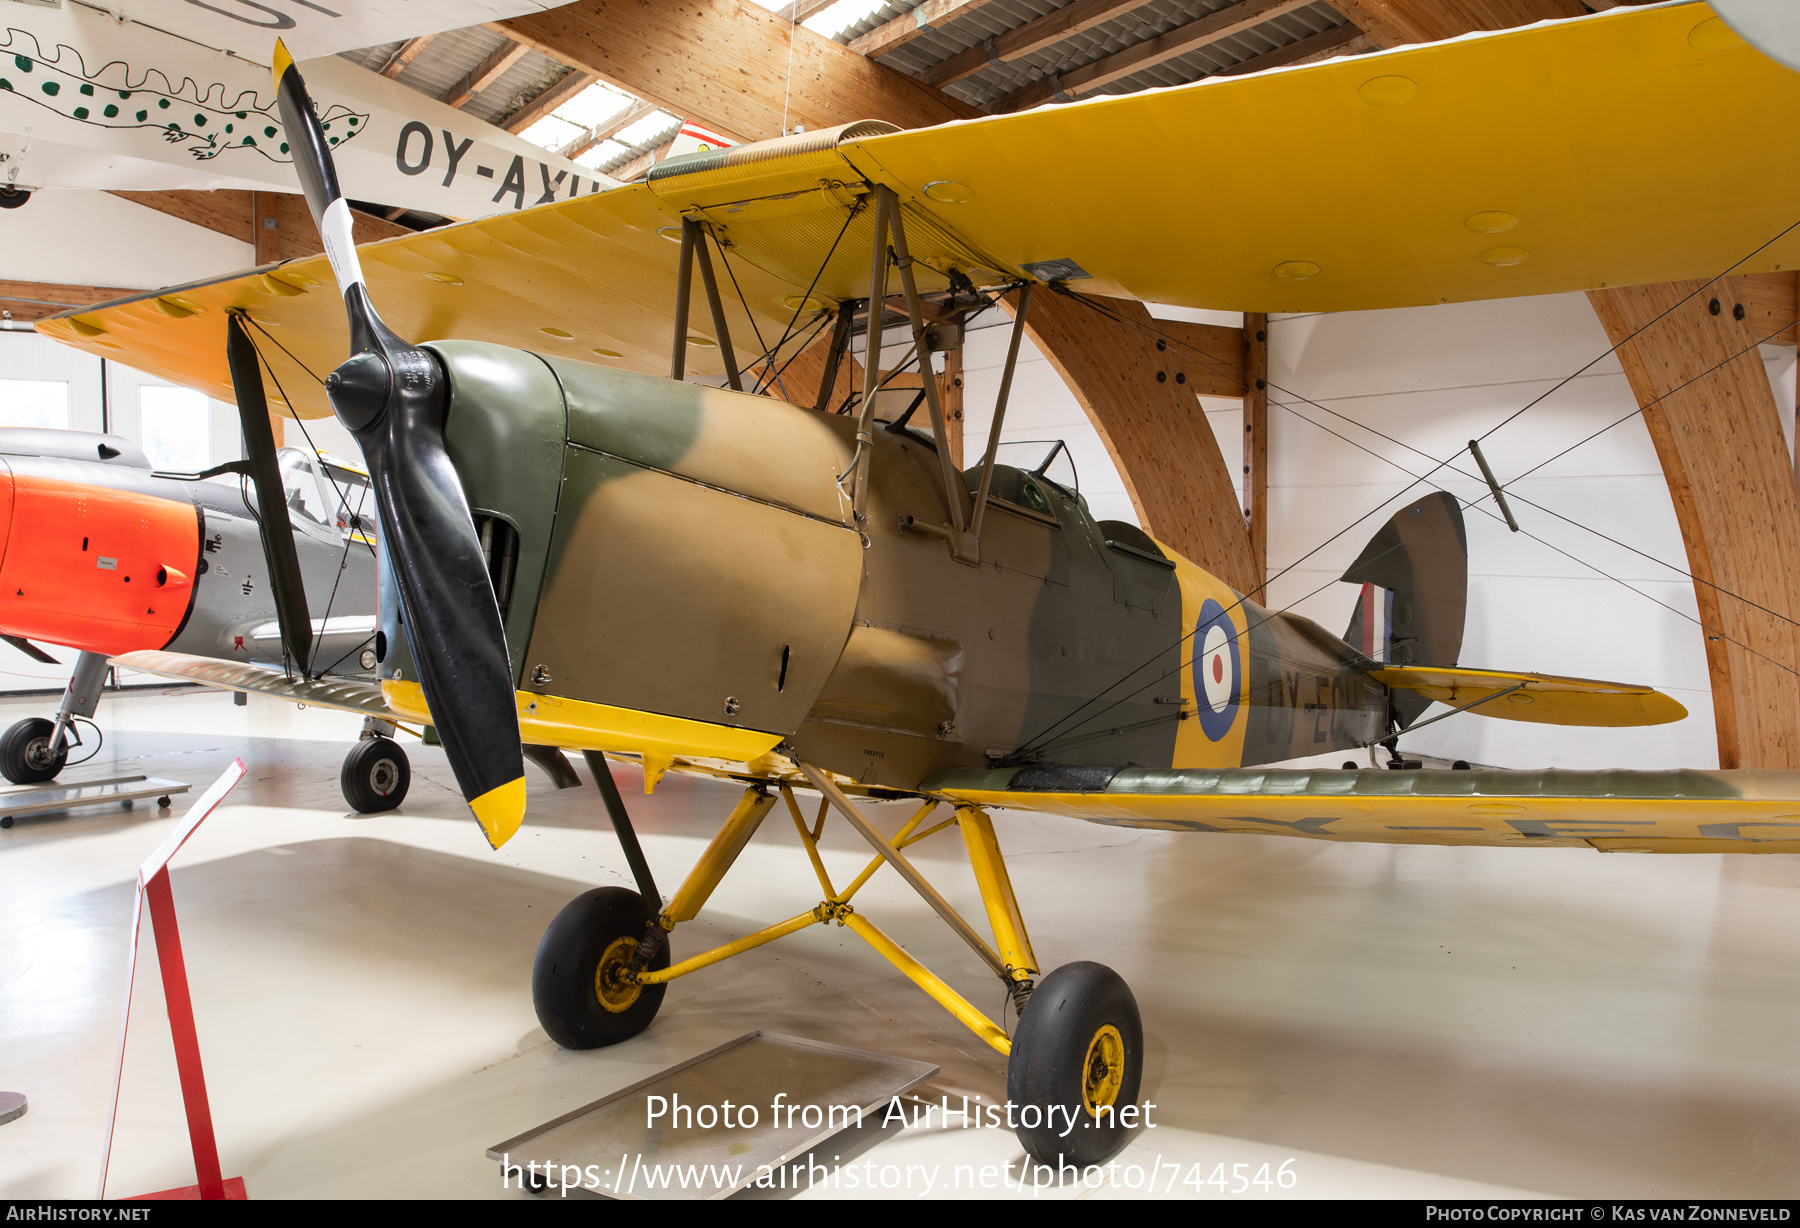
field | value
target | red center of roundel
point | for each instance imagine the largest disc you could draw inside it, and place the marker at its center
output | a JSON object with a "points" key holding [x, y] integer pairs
{"points": [[1218, 669]]}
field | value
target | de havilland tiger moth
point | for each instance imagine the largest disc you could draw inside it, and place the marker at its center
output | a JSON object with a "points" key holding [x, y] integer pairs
{"points": [[806, 594]]}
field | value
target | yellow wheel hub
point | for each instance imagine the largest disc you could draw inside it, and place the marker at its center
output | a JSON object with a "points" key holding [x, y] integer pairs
{"points": [[1103, 1072], [614, 983]]}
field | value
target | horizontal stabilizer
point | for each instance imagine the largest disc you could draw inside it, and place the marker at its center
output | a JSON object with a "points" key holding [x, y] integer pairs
{"points": [[1542, 699]]}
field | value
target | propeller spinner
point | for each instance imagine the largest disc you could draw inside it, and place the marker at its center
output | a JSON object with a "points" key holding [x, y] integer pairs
{"points": [[393, 397]]}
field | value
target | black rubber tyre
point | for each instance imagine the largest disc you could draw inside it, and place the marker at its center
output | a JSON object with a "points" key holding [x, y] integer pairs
{"points": [[375, 776], [581, 1000], [25, 757], [13, 198], [1079, 1047]]}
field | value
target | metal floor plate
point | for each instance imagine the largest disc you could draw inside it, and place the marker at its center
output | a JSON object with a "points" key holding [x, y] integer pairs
{"points": [[678, 1158], [45, 798]]}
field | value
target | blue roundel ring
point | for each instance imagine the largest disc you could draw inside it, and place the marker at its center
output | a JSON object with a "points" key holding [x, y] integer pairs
{"points": [[1217, 724]]}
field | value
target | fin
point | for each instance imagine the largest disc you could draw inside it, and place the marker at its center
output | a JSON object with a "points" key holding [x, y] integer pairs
{"points": [[1422, 557]]}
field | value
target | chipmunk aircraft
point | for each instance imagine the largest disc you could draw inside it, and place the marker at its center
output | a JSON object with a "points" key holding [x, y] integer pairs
{"points": [[105, 555], [805, 594]]}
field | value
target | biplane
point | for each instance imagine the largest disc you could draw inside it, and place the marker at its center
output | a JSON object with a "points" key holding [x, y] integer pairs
{"points": [[582, 547]]}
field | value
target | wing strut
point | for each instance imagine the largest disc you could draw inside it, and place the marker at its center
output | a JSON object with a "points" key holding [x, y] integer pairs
{"points": [[271, 498], [693, 246]]}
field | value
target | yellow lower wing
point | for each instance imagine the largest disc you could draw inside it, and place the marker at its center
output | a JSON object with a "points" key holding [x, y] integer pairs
{"points": [[1542, 699], [1739, 811]]}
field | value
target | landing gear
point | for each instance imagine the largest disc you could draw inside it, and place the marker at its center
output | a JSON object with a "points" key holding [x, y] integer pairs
{"points": [[1077, 1056], [1075, 1060], [36, 750], [26, 753], [375, 775], [584, 982]]}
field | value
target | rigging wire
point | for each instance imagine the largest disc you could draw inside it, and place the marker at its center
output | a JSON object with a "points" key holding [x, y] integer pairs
{"points": [[768, 355], [1041, 738], [1178, 346], [353, 518]]}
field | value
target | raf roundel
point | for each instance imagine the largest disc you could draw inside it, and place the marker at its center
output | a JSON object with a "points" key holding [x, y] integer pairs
{"points": [[1217, 670]]}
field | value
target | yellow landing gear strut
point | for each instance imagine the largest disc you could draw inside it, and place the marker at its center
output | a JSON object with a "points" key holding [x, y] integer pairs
{"points": [[1073, 1061]]}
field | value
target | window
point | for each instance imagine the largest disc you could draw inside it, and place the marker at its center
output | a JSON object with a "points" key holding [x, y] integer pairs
{"points": [[301, 483], [34, 402], [175, 425]]}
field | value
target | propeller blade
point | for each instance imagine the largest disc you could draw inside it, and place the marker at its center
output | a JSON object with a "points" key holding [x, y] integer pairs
{"points": [[393, 397]]}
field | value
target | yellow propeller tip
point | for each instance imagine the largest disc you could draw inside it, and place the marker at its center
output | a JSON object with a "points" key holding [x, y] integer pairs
{"points": [[501, 811], [283, 61]]}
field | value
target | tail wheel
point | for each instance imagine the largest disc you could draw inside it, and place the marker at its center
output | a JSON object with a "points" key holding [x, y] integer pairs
{"points": [[1077, 1056], [582, 983], [375, 776], [25, 756]]}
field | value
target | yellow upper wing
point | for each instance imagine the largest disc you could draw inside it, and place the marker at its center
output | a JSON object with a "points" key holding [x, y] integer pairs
{"points": [[1638, 145]]}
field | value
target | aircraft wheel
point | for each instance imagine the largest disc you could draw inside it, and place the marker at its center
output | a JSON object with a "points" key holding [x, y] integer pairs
{"points": [[578, 983], [375, 775], [25, 757], [1078, 1051]]}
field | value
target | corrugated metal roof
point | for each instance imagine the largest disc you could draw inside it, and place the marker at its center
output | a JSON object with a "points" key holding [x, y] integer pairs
{"points": [[451, 56], [879, 17], [1143, 23], [534, 73]]}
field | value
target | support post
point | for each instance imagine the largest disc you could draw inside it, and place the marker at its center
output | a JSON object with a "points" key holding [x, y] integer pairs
{"points": [[1256, 442], [81, 697], [953, 405], [997, 893], [721, 331], [834, 357], [718, 858], [271, 499], [931, 983], [956, 496], [897, 859], [1006, 379], [185, 1035], [621, 821], [684, 290], [865, 440]]}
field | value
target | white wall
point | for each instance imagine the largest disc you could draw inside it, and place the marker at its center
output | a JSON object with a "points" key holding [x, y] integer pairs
{"points": [[97, 239], [1434, 378]]}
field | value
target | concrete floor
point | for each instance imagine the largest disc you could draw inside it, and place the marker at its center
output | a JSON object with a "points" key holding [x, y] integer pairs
{"points": [[1405, 1022]]}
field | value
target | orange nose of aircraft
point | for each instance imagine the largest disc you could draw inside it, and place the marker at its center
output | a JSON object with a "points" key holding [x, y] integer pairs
{"points": [[92, 567]]}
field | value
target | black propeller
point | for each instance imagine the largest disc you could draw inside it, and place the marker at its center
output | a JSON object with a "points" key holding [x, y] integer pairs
{"points": [[393, 397]]}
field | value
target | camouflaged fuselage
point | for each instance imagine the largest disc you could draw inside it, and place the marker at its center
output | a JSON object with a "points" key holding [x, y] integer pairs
{"points": [[687, 559]]}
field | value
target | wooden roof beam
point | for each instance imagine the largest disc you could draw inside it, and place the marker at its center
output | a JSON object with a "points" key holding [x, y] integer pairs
{"points": [[406, 54], [559, 92], [724, 64], [628, 171], [606, 131], [33, 300], [1393, 22], [1212, 28], [485, 73], [892, 35], [800, 10]]}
